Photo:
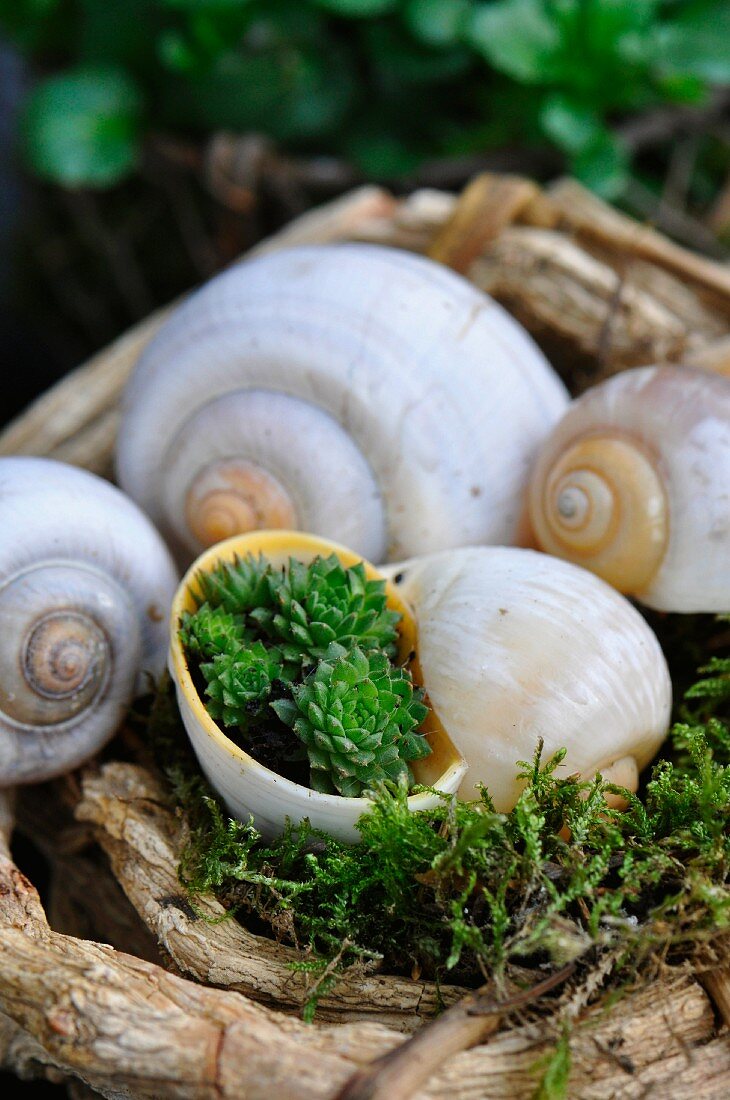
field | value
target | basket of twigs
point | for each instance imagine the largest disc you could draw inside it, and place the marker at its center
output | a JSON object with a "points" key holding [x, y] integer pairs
{"points": [[149, 972]]}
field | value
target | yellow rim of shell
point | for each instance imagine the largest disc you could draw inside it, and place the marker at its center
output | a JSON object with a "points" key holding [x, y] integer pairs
{"points": [[278, 546], [602, 505]]}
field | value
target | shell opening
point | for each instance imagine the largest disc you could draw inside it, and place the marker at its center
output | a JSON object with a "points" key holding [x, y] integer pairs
{"points": [[234, 497], [601, 503]]}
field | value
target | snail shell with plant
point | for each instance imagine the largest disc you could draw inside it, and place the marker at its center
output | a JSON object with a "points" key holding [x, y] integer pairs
{"points": [[634, 484], [85, 587], [248, 787], [362, 393]]}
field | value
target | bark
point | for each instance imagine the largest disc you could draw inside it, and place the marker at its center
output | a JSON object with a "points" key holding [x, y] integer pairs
{"points": [[142, 837], [125, 1027]]}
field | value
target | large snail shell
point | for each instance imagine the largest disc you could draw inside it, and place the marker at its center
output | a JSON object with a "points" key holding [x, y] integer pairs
{"points": [[515, 646], [362, 393], [634, 484], [85, 587]]}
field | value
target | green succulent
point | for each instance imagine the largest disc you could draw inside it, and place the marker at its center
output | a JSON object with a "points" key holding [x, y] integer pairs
{"points": [[323, 603], [210, 631], [238, 586], [357, 716], [240, 684]]}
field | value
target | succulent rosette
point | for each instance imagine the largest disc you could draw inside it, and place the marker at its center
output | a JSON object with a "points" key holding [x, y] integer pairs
{"points": [[357, 716]]}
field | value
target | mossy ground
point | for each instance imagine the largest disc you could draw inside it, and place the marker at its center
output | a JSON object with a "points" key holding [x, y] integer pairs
{"points": [[463, 893]]}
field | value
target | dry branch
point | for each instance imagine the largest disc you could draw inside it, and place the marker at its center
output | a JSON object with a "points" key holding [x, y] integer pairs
{"points": [[572, 296], [141, 834], [595, 221], [398, 1074], [127, 1028]]}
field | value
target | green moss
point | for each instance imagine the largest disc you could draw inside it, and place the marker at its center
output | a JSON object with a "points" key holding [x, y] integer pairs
{"points": [[462, 891], [554, 1070]]}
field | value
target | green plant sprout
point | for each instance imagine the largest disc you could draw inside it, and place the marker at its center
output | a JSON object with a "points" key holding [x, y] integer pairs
{"points": [[357, 716]]}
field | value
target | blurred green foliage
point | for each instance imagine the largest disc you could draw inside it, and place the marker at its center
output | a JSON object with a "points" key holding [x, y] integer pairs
{"points": [[385, 83]]}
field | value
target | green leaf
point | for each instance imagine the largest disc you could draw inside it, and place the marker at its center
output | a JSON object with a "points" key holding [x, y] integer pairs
{"points": [[516, 36], [381, 156], [570, 125], [83, 128], [438, 23], [288, 92], [120, 33], [603, 165], [555, 1067], [357, 8], [697, 42]]}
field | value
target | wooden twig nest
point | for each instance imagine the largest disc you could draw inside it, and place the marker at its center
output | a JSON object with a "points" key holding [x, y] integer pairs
{"points": [[184, 1005]]}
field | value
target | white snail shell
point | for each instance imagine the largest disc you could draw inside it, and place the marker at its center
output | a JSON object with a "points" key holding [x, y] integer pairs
{"points": [[362, 393], [85, 587], [634, 484], [515, 646]]}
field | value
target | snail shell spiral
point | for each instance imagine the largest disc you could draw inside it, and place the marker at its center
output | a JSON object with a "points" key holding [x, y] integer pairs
{"points": [[85, 586], [634, 484], [361, 393]]}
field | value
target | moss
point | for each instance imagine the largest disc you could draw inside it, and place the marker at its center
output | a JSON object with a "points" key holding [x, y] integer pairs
{"points": [[554, 1070], [462, 891]]}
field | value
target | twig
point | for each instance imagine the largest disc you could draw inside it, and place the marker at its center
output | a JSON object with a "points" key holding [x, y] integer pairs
{"points": [[682, 164], [603, 346], [717, 986], [654, 127], [675, 222], [398, 1074]]}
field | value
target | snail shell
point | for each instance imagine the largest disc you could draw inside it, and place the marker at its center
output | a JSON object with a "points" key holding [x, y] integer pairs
{"points": [[362, 393], [634, 484], [85, 587], [245, 785], [515, 646]]}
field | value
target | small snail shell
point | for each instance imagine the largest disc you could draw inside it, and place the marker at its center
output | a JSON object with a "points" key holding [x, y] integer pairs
{"points": [[245, 785], [85, 587], [365, 394], [515, 646], [634, 484]]}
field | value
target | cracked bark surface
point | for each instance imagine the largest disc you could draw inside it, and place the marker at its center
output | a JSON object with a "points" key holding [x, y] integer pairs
{"points": [[126, 1027], [141, 835]]}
